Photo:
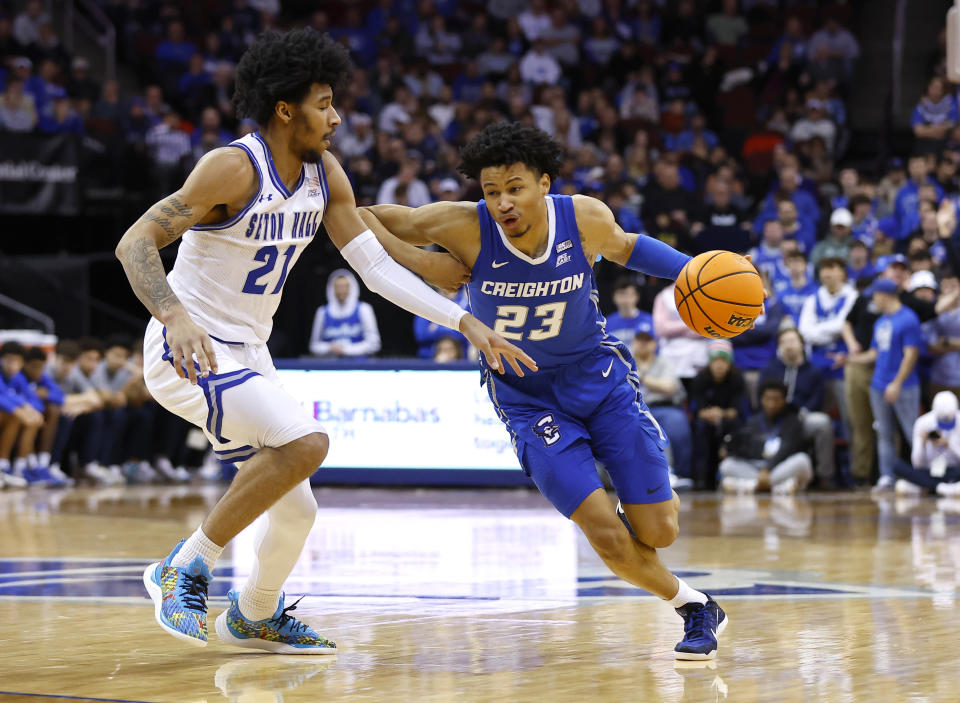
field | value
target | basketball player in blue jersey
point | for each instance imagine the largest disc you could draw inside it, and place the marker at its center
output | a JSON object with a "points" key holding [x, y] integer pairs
{"points": [[531, 257], [246, 212]]}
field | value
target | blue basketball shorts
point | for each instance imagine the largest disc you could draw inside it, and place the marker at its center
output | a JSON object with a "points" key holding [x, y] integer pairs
{"points": [[564, 420]]}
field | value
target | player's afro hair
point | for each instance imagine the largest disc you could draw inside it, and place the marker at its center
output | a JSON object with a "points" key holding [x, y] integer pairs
{"points": [[283, 66], [508, 143]]}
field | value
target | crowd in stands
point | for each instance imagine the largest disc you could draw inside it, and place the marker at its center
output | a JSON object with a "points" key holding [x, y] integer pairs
{"points": [[707, 124]]}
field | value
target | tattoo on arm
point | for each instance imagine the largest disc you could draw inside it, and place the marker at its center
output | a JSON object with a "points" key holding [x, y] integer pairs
{"points": [[172, 216], [147, 277]]}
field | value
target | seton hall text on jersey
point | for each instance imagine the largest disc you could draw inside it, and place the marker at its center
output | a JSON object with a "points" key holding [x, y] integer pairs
{"points": [[268, 226], [533, 289]]}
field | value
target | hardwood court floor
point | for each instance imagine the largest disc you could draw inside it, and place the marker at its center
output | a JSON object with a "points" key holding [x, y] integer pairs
{"points": [[491, 596]]}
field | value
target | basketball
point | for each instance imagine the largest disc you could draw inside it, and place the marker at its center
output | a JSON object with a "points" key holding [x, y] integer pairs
{"points": [[719, 294]]}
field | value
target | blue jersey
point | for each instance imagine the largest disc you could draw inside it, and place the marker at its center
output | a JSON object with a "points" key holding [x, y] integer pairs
{"points": [[891, 333], [792, 298], [547, 306]]}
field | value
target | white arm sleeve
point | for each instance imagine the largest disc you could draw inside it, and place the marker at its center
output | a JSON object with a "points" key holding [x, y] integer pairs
{"points": [[384, 276]]}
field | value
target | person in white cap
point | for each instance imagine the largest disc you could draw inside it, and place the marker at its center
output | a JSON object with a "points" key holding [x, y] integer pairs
{"points": [[835, 245], [923, 285], [935, 455]]}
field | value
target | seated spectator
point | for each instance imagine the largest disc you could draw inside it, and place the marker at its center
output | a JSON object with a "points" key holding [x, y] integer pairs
{"points": [[428, 334], [865, 224], [821, 324], [664, 395], [767, 256], [836, 245], [562, 38], [806, 390], [815, 123], [628, 319], [895, 386], [833, 49], [436, 44], [43, 386], [26, 25], [538, 67], [718, 404], [173, 54], [602, 43], [935, 115], [17, 110], [169, 148], [80, 86], [728, 26], [767, 452], [193, 85], [109, 379], [720, 224], [21, 418], [793, 227], [793, 292], [754, 348], [935, 451], [686, 349], [858, 262], [448, 349], [62, 119], [906, 206], [80, 398], [406, 181], [942, 335], [791, 185], [345, 326]]}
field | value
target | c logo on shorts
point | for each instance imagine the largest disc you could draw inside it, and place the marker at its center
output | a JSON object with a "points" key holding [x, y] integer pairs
{"points": [[547, 430]]}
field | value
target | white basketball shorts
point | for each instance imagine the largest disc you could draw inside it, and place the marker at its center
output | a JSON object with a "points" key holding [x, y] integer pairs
{"points": [[241, 408]]}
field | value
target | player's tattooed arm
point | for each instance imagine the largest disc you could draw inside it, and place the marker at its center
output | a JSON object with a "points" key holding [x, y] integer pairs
{"points": [[172, 216]]}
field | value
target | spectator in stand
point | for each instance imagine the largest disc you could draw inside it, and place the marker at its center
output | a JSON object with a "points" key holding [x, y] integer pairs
{"points": [[757, 346], [210, 133], [174, 53], [806, 390], [857, 376], [80, 86], [821, 324], [429, 334], [17, 110], [666, 201], [169, 149], [602, 43], [793, 45], [21, 418], [534, 20], [447, 350], [495, 61], [907, 203], [345, 326], [793, 292], [865, 224], [791, 186], [417, 191], [194, 85], [942, 335], [833, 49], [858, 263], [934, 116], [718, 404], [664, 395], [562, 38], [538, 67], [894, 388], [9, 46], [815, 123], [935, 451], [767, 256], [48, 46], [802, 231], [837, 244], [628, 319], [436, 44], [766, 453], [62, 119], [26, 25], [686, 349], [43, 386], [720, 224], [727, 27]]}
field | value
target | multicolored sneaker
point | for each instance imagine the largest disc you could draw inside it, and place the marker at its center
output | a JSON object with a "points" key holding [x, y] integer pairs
{"points": [[180, 597], [701, 626], [281, 634]]}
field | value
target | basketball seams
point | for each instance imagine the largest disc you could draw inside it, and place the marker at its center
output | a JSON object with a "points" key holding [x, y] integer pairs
{"points": [[692, 288], [702, 289], [712, 321]]}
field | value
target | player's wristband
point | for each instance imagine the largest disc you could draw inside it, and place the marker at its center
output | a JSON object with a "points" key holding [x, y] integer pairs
{"points": [[655, 258]]}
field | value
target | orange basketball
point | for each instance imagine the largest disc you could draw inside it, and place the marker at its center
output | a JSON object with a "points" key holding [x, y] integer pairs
{"points": [[719, 294]]}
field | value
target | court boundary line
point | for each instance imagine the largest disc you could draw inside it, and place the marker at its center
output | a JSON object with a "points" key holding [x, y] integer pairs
{"points": [[72, 698]]}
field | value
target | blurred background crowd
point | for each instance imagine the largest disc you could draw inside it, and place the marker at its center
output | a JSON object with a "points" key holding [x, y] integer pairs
{"points": [[705, 123]]}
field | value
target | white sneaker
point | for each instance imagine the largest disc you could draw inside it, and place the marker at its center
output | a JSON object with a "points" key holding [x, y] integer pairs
{"points": [[739, 486], [175, 475], [680, 484], [181, 475], [787, 487], [146, 473], [949, 489], [115, 474], [100, 475], [11, 480], [58, 474], [885, 483], [904, 487]]}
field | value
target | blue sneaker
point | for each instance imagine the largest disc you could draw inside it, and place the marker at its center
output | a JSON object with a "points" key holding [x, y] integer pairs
{"points": [[701, 626], [180, 597], [42, 476], [282, 633]]}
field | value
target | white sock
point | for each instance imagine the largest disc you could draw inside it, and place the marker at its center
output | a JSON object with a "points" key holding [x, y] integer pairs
{"points": [[258, 603], [32, 461], [5, 465], [685, 595], [19, 464], [44, 458], [198, 545]]}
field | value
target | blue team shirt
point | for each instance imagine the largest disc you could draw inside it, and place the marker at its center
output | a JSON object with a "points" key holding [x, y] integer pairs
{"points": [[891, 333], [792, 298], [15, 391], [625, 328], [55, 395], [547, 306]]}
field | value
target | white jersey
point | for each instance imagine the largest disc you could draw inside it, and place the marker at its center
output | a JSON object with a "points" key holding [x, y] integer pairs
{"points": [[229, 276]]}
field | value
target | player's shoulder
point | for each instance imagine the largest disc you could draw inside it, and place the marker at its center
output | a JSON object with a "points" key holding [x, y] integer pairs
{"points": [[228, 170], [591, 211]]}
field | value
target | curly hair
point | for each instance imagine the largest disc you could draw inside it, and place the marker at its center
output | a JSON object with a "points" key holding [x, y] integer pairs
{"points": [[507, 143], [280, 66]]}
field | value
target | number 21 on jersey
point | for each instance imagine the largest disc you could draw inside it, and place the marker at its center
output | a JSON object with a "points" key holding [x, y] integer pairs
{"points": [[269, 256], [514, 317]]}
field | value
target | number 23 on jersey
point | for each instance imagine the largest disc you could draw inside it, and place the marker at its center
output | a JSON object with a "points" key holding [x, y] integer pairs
{"points": [[511, 318]]}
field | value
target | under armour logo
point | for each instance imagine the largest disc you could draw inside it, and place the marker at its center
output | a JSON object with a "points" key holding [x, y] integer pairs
{"points": [[547, 430], [268, 196]]}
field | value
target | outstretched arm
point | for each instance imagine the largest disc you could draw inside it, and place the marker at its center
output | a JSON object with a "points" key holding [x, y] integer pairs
{"points": [[385, 276], [222, 176]]}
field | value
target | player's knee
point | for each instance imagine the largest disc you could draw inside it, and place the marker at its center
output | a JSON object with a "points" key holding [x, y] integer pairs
{"points": [[661, 533], [311, 451], [613, 544]]}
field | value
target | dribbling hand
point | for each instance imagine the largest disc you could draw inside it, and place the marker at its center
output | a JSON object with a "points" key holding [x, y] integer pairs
{"points": [[493, 346], [186, 340]]}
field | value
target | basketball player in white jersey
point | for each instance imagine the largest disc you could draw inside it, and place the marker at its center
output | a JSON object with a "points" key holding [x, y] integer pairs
{"points": [[246, 212]]}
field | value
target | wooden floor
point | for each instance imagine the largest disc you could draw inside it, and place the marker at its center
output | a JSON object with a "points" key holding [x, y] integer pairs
{"points": [[491, 596]]}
